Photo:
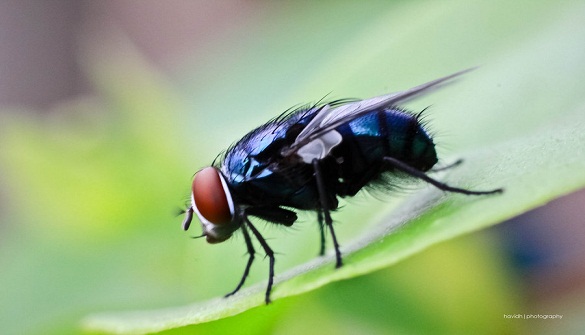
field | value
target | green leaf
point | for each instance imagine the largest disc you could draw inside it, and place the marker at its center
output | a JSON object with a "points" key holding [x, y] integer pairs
{"points": [[422, 220], [519, 121]]}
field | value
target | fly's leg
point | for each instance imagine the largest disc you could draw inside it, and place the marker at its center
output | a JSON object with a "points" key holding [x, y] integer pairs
{"points": [[321, 231], [251, 253], [450, 166], [442, 186], [269, 254], [325, 209]]}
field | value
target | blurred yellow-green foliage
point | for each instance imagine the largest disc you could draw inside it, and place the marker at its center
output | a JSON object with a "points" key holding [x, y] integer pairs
{"points": [[91, 188]]}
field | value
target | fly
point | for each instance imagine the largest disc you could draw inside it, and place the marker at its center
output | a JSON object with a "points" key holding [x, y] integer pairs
{"points": [[305, 159]]}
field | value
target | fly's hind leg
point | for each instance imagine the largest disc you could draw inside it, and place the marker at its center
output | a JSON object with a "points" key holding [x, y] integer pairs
{"points": [[442, 186], [447, 167]]}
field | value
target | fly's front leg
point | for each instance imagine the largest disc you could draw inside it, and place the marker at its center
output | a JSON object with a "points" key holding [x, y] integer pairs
{"points": [[326, 210], [269, 254], [251, 253]]}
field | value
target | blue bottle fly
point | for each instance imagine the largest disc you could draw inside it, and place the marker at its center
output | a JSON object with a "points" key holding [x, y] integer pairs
{"points": [[305, 160]]}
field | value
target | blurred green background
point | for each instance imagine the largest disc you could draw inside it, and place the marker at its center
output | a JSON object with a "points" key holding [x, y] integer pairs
{"points": [[107, 109]]}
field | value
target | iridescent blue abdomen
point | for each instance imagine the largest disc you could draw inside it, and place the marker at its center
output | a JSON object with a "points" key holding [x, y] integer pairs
{"points": [[378, 134], [395, 133]]}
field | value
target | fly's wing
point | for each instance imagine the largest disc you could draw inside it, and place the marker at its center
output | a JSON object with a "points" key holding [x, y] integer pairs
{"points": [[318, 137]]}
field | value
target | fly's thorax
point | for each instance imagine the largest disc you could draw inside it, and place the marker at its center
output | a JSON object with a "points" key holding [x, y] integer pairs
{"points": [[212, 201]]}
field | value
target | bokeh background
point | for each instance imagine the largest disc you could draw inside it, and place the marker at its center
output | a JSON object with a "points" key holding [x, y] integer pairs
{"points": [[108, 108]]}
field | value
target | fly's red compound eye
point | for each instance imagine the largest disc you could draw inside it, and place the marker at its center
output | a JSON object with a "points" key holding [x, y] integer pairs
{"points": [[212, 197]]}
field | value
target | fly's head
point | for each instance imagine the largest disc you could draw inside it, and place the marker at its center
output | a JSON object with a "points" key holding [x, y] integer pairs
{"points": [[211, 200]]}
